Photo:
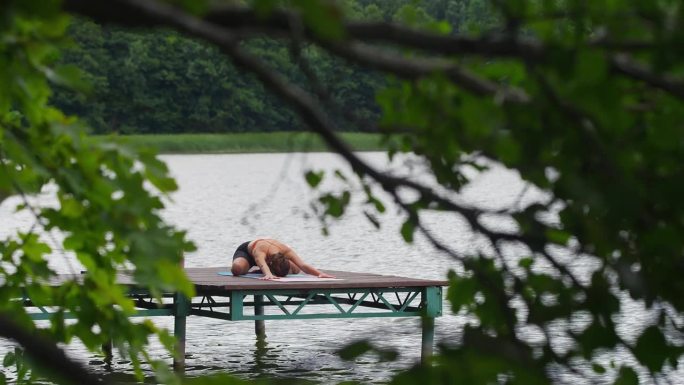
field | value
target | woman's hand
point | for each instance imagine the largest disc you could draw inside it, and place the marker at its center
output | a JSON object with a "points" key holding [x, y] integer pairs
{"points": [[324, 275], [269, 277]]}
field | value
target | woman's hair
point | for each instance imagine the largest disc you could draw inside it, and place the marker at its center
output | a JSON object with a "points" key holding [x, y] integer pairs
{"points": [[278, 264]]}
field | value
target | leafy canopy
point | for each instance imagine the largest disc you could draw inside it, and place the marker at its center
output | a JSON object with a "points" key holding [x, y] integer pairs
{"points": [[108, 199]]}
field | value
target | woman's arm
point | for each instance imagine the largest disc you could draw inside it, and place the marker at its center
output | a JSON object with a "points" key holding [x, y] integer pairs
{"points": [[260, 260]]}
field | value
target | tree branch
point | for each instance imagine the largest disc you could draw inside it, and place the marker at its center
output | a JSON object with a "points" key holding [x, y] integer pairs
{"points": [[626, 66], [414, 68], [247, 22], [47, 353]]}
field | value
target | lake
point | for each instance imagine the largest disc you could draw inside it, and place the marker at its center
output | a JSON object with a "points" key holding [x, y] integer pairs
{"points": [[224, 200]]}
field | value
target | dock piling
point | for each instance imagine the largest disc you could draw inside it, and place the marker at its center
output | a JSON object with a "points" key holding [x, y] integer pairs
{"points": [[181, 311], [432, 299], [259, 325], [107, 351], [428, 338]]}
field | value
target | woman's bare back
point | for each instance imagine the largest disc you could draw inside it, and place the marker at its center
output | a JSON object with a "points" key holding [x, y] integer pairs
{"points": [[268, 246]]}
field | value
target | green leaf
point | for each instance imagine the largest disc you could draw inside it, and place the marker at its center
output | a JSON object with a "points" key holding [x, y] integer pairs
{"points": [[387, 354], [407, 230], [164, 374], [340, 175], [558, 237], [314, 178], [264, 8], [461, 292], [9, 360], [69, 76], [598, 368], [354, 350], [168, 340], [324, 17], [376, 203], [627, 376], [71, 208], [526, 262], [596, 336], [508, 149], [592, 66], [35, 250], [196, 7], [335, 205], [652, 349]]}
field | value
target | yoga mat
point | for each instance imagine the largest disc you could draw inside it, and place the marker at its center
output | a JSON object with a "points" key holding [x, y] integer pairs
{"points": [[289, 278]]}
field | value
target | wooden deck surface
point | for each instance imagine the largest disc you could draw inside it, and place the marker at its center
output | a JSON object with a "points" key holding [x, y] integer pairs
{"points": [[207, 278]]}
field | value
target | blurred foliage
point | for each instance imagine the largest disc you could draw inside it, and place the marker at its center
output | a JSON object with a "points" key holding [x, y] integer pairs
{"points": [[95, 201], [600, 129]]}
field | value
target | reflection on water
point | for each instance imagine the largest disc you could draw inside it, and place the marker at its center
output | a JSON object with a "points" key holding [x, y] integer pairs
{"points": [[225, 200], [261, 360]]}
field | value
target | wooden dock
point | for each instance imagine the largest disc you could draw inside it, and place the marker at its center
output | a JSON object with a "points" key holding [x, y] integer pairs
{"points": [[355, 295]]}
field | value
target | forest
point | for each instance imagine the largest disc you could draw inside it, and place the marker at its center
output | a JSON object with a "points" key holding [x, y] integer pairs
{"points": [[143, 82]]}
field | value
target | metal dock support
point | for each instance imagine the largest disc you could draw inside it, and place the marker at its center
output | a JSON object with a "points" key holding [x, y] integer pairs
{"points": [[181, 310], [355, 295]]}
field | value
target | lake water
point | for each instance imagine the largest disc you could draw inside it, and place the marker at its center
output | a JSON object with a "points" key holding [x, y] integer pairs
{"points": [[225, 200]]}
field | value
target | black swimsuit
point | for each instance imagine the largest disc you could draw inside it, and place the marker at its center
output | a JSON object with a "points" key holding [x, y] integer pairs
{"points": [[243, 252]]}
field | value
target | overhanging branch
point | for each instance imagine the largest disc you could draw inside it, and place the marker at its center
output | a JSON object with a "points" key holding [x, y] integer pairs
{"points": [[47, 354], [626, 66], [500, 46], [414, 68]]}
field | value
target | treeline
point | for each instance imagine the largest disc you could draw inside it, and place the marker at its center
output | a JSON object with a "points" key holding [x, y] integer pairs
{"points": [[159, 82]]}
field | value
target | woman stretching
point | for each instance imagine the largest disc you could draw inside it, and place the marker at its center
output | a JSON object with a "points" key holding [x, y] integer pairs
{"points": [[274, 258]]}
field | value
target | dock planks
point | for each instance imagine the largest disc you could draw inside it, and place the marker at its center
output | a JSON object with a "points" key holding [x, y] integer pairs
{"points": [[208, 278]]}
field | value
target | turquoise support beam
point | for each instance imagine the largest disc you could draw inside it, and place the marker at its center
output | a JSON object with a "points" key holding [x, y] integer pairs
{"points": [[181, 307], [249, 317], [237, 299], [324, 303], [432, 300]]}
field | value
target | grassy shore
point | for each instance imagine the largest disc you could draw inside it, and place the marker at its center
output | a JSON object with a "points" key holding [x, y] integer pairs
{"points": [[245, 142]]}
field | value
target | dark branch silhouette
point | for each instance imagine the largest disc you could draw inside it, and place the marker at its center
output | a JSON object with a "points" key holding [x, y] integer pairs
{"points": [[626, 66], [47, 354]]}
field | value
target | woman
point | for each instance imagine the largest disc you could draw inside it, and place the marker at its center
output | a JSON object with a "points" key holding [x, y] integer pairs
{"points": [[274, 258]]}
